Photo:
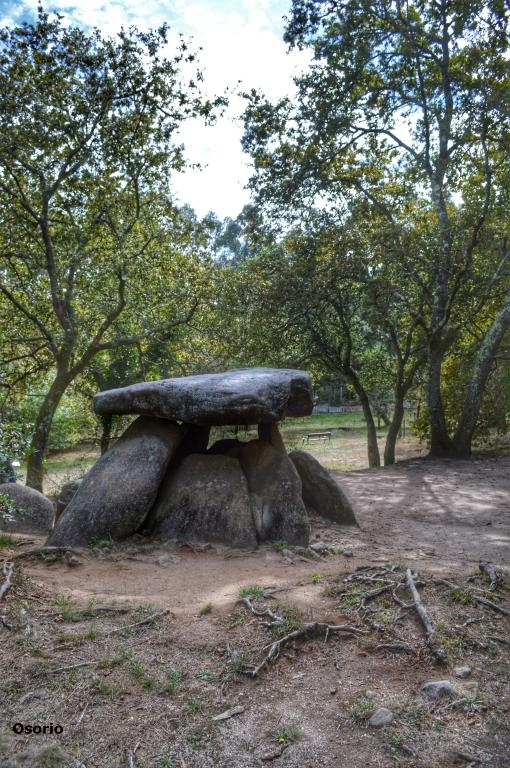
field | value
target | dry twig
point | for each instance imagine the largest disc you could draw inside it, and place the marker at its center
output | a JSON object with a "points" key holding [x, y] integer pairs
{"points": [[430, 632], [148, 620]]}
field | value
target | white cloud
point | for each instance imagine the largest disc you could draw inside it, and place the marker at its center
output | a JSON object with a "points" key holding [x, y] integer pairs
{"points": [[241, 41]]}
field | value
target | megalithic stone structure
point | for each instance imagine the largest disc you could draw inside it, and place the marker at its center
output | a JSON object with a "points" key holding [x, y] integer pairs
{"points": [[161, 478]]}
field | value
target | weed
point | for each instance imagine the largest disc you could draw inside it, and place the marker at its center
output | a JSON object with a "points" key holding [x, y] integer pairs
{"points": [[194, 704], [208, 676], [97, 542], [135, 668], [197, 740], [236, 618], [279, 546], [173, 682], [115, 661], [20, 577], [315, 578], [6, 541], [68, 610], [205, 609], [462, 596], [331, 590], [361, 709], [76, 638], [287, 735], [351, 598], [291, 624], [107, 689], [238, 664], [148, 682], [253, 591], [164, 762]]}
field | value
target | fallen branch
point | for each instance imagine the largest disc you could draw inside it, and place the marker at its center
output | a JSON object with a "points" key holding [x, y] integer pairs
{"points": [[491, 574], [72, 666], [82, 715], [148, 620], [430, 632], [7, 572]]}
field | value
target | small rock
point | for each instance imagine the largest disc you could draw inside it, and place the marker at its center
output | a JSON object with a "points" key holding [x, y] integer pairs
{"points": [[287, 554], [333, 691], [320, 547], [167, 559], [370, 695], [348, 553], [381, 716], [462, 672], [436, 689]]}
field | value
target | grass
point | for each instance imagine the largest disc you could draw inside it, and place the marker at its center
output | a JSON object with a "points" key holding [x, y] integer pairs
{"points": [[173, 681], [194, 704], [362, 709], [253, 591], [315, 578], [287, 735], [205, 609], [6, 541]]}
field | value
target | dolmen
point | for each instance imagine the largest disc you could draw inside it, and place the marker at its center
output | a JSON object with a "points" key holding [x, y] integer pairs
{"points": [[163, 479]]}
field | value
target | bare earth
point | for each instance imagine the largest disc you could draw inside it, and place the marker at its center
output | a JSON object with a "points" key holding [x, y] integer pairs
{"points": [[309, 707]]}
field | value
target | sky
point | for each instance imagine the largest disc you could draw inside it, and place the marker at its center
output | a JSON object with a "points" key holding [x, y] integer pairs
{"points": [[241, 40]]}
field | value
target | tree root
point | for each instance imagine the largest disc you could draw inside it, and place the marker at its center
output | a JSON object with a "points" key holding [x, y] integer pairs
{"points": [[494, 606], [491, 574], [430, 632], [308, 628], [7, 572]]}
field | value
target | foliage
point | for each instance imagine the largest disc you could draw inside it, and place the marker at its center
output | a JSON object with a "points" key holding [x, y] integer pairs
{"points": [[94, 255]]}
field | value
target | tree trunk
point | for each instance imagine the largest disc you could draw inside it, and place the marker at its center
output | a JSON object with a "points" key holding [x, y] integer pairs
{"points": [[374, 459], [42, 428], [394, 429], [106, 431], [441, 445], [474, 395]]}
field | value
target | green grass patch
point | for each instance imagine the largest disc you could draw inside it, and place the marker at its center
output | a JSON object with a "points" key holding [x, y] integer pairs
{"points": [[6, 541], [252, 591]]}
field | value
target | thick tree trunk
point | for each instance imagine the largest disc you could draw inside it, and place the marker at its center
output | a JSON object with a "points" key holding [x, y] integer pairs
{"points": [[393, 431], [440, 443], [374, 459], [42, 428], [482, 367]]}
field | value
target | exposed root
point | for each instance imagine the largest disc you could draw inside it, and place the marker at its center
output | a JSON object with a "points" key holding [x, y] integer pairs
{"points": [[7, 572], [42, 551], [305, 630], [494, 606], [491, 574]]}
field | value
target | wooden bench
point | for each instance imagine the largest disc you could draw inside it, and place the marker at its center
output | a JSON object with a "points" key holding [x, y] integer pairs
{"points": [[317, 436]]}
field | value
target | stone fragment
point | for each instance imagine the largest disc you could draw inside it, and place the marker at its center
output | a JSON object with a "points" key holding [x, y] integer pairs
{"points": [[381, 717], [462, 672], [320, 492], [246, 396], [30, 511], [205, 498], [275, 490], [66, 494], [120, 489], [436, 689]]}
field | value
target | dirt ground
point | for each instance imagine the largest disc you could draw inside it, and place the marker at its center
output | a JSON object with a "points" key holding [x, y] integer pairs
{"points": [[145, 696]]}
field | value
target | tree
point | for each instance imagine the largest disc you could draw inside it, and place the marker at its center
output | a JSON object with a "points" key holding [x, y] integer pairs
{"points": [[93, 256], [414, 94]]}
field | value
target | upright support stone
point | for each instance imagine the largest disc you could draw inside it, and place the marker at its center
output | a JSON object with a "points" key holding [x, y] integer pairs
{"points": [[115, 496], [271, 434], [320, 492], [205, 498], [278, 510]]}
